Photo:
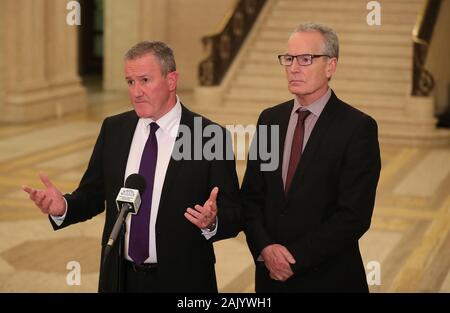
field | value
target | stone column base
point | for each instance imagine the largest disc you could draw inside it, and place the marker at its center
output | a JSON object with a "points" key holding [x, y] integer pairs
{"points": [[44, 103]]}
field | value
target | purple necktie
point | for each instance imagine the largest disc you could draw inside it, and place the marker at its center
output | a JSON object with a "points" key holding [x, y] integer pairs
{"points": [[140, 223]]}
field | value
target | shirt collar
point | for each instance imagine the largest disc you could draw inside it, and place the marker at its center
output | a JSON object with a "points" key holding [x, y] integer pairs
{"points": [[168, 122], [316, 107]]}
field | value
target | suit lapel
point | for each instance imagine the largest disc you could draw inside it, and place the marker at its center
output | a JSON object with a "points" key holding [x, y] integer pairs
{"points": [[283, 124], [319, 131], [126, 136]]}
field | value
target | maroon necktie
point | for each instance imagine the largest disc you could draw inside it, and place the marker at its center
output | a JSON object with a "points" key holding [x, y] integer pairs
{"points": [[140, 223], [296, 148]]}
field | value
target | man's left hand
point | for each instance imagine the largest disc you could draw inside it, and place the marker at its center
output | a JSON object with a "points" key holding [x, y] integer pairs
{"points": [[278, 259], [204, 216]]}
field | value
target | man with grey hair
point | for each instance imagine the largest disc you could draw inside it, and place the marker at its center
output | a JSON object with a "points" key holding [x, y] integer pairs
{"points": [[303, 220], [187, 203]]}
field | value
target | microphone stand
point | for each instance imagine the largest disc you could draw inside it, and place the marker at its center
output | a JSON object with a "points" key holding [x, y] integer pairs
{"points": [[116, 229], [118, 233], [120, 259]]}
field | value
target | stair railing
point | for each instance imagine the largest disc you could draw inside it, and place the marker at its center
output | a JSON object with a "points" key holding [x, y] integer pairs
{"points": [[222, 47], [423, 81]]}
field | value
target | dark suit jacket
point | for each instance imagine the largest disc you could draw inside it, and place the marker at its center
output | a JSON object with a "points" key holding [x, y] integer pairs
{"points": [[185, 258], [328, 207]]}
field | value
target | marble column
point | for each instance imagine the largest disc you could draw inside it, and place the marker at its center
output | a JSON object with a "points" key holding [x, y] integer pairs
{"points": [[61, 56], [40, 64], [2, 51], [121, 31], [126, 23], [154, 16]]}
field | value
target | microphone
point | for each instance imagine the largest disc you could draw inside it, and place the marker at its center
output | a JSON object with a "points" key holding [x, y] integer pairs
{"points": [[128, 201], [130, 195]]}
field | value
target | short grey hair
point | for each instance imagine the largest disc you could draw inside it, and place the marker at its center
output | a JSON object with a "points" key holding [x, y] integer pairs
{"points": [[162, 52], [330, 39]]}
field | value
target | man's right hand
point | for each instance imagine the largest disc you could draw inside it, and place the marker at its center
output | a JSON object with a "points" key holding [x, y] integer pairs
{"points": [[277, 259], [49, 200]]}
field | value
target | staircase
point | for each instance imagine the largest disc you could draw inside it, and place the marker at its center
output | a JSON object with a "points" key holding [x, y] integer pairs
{"points": [[374, 70]]}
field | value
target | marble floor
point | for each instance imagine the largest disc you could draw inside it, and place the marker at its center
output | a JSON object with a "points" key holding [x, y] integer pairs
{"points": [[407, 248]]}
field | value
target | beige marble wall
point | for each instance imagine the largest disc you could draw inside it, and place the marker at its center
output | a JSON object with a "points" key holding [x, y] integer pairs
{"points": [[39, 70], [180, 23], [438, 62]]}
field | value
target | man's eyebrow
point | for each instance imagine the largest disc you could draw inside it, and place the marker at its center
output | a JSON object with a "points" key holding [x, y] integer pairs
{"points": [[139, 76]]}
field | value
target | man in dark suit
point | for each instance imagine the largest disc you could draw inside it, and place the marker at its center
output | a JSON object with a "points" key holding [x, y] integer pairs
{"points": [[303, 220], [189, 201]]}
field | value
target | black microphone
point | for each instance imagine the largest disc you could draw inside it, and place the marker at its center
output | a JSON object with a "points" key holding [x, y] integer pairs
{"points": [[128, 201]]}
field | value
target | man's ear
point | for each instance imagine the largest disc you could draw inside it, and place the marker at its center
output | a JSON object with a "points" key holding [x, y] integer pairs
{"points": [[331, 67], [172, 79]]}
